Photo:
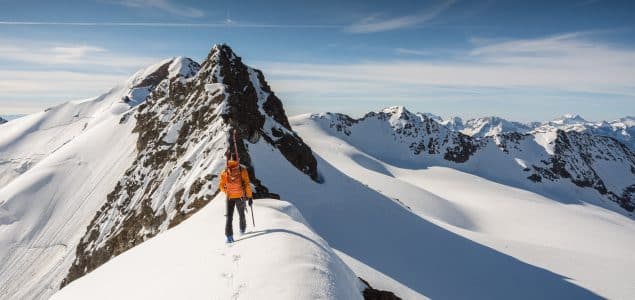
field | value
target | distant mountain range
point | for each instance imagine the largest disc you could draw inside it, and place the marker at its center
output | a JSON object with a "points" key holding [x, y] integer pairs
{"points": [[622, 129], [9, 117]]}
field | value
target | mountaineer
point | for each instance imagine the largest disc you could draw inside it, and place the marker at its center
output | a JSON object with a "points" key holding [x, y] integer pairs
{"points": [[234, 182]]}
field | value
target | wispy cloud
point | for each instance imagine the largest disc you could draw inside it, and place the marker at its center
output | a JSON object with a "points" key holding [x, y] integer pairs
{"points": [[375, 24], [566, 63], [45, 53], [164, 5], [225, 24], [31, 91], [37, 74], [412, 52]]}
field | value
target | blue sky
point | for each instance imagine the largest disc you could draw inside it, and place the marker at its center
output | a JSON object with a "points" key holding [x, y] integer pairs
{"points": [[523, 60]]}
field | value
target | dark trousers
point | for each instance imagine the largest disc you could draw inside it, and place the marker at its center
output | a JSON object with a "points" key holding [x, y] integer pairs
{"points": [[240, 204]]}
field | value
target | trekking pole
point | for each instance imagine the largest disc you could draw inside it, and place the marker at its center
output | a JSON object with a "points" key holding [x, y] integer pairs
{"points": [[252, 215], [236, 147]]}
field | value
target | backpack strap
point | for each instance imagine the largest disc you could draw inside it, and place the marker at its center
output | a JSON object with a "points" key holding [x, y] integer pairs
{"points": [[242, 182]]}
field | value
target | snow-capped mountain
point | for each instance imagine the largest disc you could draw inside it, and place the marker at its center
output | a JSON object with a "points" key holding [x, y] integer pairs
{"points": [[622, 129], [183, 135], [568, 119], [483, 127], [128, 164], [562, 160], [117, 197], [57, 168], [490, 126]]}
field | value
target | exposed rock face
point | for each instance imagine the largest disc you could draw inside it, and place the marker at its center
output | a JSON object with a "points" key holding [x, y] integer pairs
{"points": [[254, 110], [374, 294], [184, 131], [579, 158], [418, 132], [2, 121]]}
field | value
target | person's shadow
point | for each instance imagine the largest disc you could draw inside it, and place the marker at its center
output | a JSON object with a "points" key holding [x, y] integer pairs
{"points": [[255, 234]]}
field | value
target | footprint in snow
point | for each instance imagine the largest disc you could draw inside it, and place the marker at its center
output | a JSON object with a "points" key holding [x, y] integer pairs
{"points": [[237, 290]]}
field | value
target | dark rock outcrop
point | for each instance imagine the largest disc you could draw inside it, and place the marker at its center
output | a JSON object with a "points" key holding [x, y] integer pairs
{"points": [[374, 294], [184, 129]]}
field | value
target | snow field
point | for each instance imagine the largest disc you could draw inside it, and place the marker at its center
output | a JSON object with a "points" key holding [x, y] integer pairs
{"points": [[281, 258]]}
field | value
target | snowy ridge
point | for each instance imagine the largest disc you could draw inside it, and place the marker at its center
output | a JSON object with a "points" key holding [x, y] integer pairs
{"points": [[532, 160], [622, 129], [27, 140], [184, 131], [491, 126], [459, 207], [196, 264], [169, 125], [57, 166]]}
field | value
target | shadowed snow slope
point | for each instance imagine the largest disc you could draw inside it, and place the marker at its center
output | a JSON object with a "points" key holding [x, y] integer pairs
{"points": [[452, 235], [282, 258]]}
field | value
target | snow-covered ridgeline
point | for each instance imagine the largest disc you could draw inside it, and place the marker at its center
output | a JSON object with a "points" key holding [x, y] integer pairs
{"points": [[622, 129], [280, 259], [184, 131], [59, 165], [551, 161]]}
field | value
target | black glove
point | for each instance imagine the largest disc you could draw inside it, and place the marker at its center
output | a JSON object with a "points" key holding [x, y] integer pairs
{"points": [[251, 201]]}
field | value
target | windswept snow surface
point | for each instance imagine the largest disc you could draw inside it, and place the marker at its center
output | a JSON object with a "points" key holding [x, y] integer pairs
{"points": [[447, 234], [281, 258], [44, 212], [56, 168]]}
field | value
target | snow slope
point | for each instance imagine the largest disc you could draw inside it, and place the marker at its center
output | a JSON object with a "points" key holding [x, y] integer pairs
{"points": [[446, 228], [27, 140], [59, 165], [281, 258]]}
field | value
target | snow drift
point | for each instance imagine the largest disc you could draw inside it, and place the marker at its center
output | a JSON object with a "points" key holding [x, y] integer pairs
{"points": [[282, 258]]}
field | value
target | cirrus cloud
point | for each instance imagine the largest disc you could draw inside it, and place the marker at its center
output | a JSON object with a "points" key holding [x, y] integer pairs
{"points": [[164, 5], [375, 24]]}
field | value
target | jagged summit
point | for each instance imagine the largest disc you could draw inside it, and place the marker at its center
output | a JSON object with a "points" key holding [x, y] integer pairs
{"points": [[184, 131], [569, 119]]}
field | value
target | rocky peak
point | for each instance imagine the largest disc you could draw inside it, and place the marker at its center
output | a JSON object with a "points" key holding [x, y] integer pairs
{"points": [[144, 82], [253, 109], [569, 119], [184, 131], [491, 126]]}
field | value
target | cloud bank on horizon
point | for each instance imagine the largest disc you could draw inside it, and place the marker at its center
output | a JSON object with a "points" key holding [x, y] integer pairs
{"points": [[448, 57]]}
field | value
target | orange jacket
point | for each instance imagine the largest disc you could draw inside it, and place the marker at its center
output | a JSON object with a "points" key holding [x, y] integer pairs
{"points": [[235, 189]]}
